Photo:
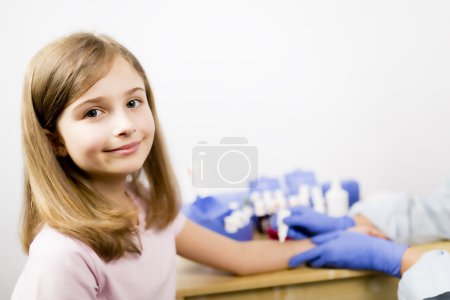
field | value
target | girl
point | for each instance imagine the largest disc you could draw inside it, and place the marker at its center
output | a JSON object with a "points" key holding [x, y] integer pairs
{"points": [[101, 215]]}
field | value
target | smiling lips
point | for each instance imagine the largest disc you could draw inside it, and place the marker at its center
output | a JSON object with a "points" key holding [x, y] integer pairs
{"points": [[126, 149]]}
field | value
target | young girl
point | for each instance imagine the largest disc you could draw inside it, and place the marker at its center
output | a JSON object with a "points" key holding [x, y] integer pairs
{"points": [[101, 215]]}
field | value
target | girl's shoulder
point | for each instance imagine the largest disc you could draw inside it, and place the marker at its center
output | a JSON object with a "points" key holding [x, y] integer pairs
{"points": [[50, 239], [57, 266], [60, 250]]}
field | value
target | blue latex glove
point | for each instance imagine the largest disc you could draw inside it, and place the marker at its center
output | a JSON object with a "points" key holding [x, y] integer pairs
{"points": [[352, 250], [292, 232], [305, 222]]}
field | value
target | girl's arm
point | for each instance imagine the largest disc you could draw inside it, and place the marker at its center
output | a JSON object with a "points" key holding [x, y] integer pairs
{"points": [[207, 247]]}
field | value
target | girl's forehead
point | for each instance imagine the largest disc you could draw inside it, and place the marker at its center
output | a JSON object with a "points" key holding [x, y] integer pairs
{"points": [[119, 80]]}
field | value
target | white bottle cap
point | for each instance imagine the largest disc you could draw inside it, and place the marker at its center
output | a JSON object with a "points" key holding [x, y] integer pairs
{"points": [[260, 209], [255, 196], [248, 211], [230, 224]]}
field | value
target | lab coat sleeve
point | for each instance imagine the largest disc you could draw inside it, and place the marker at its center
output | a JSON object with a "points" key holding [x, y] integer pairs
{"points": [[428, 277], [410, 219]]}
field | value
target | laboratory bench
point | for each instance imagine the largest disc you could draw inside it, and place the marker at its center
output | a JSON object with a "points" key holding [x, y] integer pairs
{"points": [[196, 281]]}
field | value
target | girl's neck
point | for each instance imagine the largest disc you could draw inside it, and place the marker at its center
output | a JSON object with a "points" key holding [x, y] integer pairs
{"points": [[113, 188]]}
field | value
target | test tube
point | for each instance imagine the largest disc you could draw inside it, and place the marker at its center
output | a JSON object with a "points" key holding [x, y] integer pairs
{"points": [[282, 227]]}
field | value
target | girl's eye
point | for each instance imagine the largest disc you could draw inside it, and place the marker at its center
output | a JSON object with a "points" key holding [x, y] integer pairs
{"points": [[133, 103], [92, 113]]}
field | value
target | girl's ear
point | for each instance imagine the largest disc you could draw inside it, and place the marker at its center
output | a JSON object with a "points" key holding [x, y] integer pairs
{"points": [[57, 144]]}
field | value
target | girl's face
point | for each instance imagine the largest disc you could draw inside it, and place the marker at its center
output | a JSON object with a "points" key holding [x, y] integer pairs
{"points": [[109, 130]]}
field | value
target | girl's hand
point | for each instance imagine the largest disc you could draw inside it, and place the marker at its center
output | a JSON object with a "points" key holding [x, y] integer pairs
{"points": [[369, 230]]}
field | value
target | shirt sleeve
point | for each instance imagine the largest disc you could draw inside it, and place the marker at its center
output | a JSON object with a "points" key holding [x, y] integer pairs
{"points": [[428, 277], [57, 270], [410, 219], [179, 223]]}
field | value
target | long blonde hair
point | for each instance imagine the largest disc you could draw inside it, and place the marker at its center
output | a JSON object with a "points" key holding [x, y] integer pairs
{"points": [[56, 192]]}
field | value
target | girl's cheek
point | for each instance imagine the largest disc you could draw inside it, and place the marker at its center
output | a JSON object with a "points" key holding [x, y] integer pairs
{"points": [[148, 123], [96, 145], [90, 140]]}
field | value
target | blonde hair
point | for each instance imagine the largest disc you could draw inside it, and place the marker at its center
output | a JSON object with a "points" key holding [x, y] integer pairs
{"points": [[56, 191]]}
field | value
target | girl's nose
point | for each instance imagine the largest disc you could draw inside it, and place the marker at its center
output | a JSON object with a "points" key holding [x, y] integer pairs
{"points": [[126, 132], [123, 125]]}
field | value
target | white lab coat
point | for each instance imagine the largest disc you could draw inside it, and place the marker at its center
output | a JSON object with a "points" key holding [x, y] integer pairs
{"points": [[416, 220]]}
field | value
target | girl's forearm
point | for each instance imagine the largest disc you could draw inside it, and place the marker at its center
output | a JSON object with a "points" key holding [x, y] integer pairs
{"points": [[269, 255]]}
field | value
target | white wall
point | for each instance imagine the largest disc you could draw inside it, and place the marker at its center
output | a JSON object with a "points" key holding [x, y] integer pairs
{"points": [[348, 88]]}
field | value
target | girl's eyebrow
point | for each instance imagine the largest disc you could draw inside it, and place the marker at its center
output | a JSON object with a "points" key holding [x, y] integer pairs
{"points": [[100, 98]]}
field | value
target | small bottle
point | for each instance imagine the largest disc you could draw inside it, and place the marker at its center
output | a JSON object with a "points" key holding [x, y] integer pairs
{"points": [[269, 201], [293, 200], [260, 210], [280, 200], [318, 200], [337, 200], [303, 195]]}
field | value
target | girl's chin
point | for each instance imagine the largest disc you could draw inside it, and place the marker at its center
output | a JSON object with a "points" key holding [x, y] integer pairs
{"points": [[117, 173]]}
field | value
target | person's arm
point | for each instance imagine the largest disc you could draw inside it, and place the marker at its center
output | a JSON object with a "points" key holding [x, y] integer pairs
{"points": [[410, 257], [207, 247], [408, 219], [425, 275]]}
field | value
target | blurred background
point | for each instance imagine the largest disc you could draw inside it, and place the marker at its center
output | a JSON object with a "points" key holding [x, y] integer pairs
{"points": [[349, 89]]}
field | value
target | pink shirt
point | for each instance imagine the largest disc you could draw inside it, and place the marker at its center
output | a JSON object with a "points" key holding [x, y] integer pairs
{"points": [[61, 267]]}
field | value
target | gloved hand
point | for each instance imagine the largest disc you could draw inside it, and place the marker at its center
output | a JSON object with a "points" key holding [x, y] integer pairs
{"points": [[305, 222], [352, 250]]}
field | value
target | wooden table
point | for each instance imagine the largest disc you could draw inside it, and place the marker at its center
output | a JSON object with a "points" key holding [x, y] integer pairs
{"points": [[196, 281]]}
